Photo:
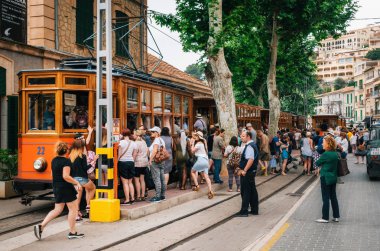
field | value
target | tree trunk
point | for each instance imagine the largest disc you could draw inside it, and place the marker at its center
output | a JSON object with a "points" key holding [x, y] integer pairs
{"points": [[260, 98], [218, 74], [273, 95]]}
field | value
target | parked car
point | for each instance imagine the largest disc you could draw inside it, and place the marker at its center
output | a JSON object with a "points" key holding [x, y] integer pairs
{"points": [[373, 152]]}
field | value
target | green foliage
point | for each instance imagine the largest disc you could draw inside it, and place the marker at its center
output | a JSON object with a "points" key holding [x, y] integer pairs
{"points": [[246, 37], [339, 83], [373, 54], [8, 159], [351, 83], [196, 70]]}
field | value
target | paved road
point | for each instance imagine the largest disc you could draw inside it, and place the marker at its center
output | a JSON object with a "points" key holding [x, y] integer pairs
{"points": [[359, 201]]}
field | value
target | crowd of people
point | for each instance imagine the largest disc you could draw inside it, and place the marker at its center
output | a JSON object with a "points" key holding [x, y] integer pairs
{"points": [[153, 153]]}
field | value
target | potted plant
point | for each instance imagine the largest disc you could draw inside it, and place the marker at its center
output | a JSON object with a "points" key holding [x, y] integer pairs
{"points": [[8, 169]]}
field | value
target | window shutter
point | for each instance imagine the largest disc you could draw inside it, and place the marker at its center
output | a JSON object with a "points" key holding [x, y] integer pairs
{"points": [[3, 81], [13, 122], [122, 20], [84, 21]]}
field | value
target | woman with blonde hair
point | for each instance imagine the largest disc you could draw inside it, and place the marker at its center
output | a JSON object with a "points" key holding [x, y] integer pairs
{"points": [[64, 192], [141, 164], [328, 175], [79, 172]]}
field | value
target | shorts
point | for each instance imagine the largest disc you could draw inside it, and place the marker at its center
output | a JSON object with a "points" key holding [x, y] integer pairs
{"points": [[264, 156], [64, 193], [201, 165], [126, 169], [81, 180], [139, 171], [273, 162], [284, 155]]}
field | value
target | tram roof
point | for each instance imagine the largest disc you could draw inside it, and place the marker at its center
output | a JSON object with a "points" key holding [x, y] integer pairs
{"points": [[116, 71]]}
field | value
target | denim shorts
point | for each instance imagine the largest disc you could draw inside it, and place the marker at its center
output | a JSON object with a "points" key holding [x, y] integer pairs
{"points": [[81, 180]]}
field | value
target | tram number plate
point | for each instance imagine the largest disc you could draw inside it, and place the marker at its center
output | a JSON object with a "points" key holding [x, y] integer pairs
{"points": [[40, 150], [375, 151]]}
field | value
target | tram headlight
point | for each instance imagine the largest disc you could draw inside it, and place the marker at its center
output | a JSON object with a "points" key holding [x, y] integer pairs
{"points": [[40, 164]]}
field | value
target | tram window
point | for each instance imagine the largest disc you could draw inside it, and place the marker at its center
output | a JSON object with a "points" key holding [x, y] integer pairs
{"points": [[185, 105], [41, 115], [185, 125], [157, 101], [75, 81], [132, 121], [177, 104], [168, 102], [41, 81], [75, 110], [145, 100], [146, 120], [168, 121], [177, 124], [132, 98], [158, 120]]}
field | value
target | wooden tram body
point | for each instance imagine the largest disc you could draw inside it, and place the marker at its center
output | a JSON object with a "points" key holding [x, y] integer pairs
{"points": [[56, 104], [285, 120], [298, 121], [328, 120]]}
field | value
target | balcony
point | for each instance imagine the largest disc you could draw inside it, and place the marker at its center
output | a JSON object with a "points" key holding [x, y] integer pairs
{"points": [[376, 94]]}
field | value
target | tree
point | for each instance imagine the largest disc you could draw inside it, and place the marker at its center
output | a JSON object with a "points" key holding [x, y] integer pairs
{"points": [[196, 70], [373, 54], [200, 24], [298, 18], [339, 83]]}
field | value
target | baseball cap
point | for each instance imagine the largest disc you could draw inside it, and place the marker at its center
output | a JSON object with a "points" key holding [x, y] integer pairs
{"points": [[155, 129]]}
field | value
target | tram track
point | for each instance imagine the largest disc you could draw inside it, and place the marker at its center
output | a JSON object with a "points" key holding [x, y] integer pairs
{"points": [[26, 219], [184, 217]]}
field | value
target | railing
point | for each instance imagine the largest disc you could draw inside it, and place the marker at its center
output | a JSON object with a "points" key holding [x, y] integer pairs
{"points": [[376, 94]]}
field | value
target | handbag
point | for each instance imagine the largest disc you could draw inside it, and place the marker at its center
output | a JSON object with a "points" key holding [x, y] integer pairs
{"points": [[361, 147], [161, 155], [91, 171], [342, 167]]}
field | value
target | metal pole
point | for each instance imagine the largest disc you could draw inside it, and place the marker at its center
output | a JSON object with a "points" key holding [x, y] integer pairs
{"points": [[103, 53]]}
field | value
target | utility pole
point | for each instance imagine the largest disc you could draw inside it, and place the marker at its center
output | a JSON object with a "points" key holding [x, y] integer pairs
{"points": [[104, 209]]}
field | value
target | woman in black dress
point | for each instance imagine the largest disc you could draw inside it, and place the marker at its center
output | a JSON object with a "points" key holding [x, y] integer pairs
{"points": [[64, 192]]}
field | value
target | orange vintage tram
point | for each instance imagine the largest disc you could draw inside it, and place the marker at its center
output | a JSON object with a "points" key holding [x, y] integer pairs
{"points": [[56, 104]]}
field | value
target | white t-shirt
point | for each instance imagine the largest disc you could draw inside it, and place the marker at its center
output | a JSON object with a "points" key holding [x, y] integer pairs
{"points": [[343, 143], [297, 136], [157, 141], [353, 139], [230, 149], [123, 146], [200, 150]]}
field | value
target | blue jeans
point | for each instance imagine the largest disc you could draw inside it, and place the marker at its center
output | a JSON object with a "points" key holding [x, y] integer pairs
{"points": [[329, 193], [217, 169], [157, 170]]}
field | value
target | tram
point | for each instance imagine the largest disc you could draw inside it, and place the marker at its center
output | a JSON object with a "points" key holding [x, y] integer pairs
{"points": [[299, 121], [285, 120], [328, 120], [55, 104]]}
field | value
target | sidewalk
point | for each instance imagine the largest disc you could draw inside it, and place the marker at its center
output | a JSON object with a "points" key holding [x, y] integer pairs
{"points": [[358, 229]]}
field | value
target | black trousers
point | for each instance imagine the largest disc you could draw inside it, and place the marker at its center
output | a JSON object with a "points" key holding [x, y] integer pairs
{"points": [[329, 193], [249, 194]]}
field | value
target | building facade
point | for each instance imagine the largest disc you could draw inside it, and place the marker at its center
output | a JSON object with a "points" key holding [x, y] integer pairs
{"points": [[339, 102], [56, 30]]}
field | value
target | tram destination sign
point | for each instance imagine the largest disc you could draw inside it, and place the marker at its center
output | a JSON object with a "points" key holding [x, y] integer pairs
{"points": [[13, 20]]}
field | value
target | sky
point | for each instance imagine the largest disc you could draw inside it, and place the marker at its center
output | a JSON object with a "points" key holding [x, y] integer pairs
{"points": [[172, 51]]}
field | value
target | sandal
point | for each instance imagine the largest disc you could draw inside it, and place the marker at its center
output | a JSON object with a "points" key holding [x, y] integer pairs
{"points": [[203, 181], [210, 195], [182, 188], [78, 218], [229, 190], [238, 190], [142, 198], [196, 188]]}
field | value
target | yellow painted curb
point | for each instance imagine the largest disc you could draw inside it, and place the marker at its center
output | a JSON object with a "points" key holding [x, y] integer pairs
{"points": [[275, 237]]}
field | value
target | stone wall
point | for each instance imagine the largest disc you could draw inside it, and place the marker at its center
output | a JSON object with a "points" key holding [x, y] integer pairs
{"points": [[67, 29]]}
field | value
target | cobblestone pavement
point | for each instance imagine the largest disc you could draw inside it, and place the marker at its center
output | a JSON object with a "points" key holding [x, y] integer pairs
{"points": [[359, 226]]}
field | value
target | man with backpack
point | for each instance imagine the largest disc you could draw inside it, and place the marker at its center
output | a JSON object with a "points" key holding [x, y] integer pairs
{"points": [[248, 166], [200, 124]]}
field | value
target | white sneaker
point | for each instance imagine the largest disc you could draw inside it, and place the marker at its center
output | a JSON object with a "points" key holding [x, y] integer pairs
{"points": [[322, 221], [335, 219]]}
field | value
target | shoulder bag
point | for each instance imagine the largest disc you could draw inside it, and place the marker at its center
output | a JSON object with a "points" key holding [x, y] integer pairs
{"points": [[161, 154]]}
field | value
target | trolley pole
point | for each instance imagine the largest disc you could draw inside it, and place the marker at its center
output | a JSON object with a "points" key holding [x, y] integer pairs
{"points": [[107, 208]]}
